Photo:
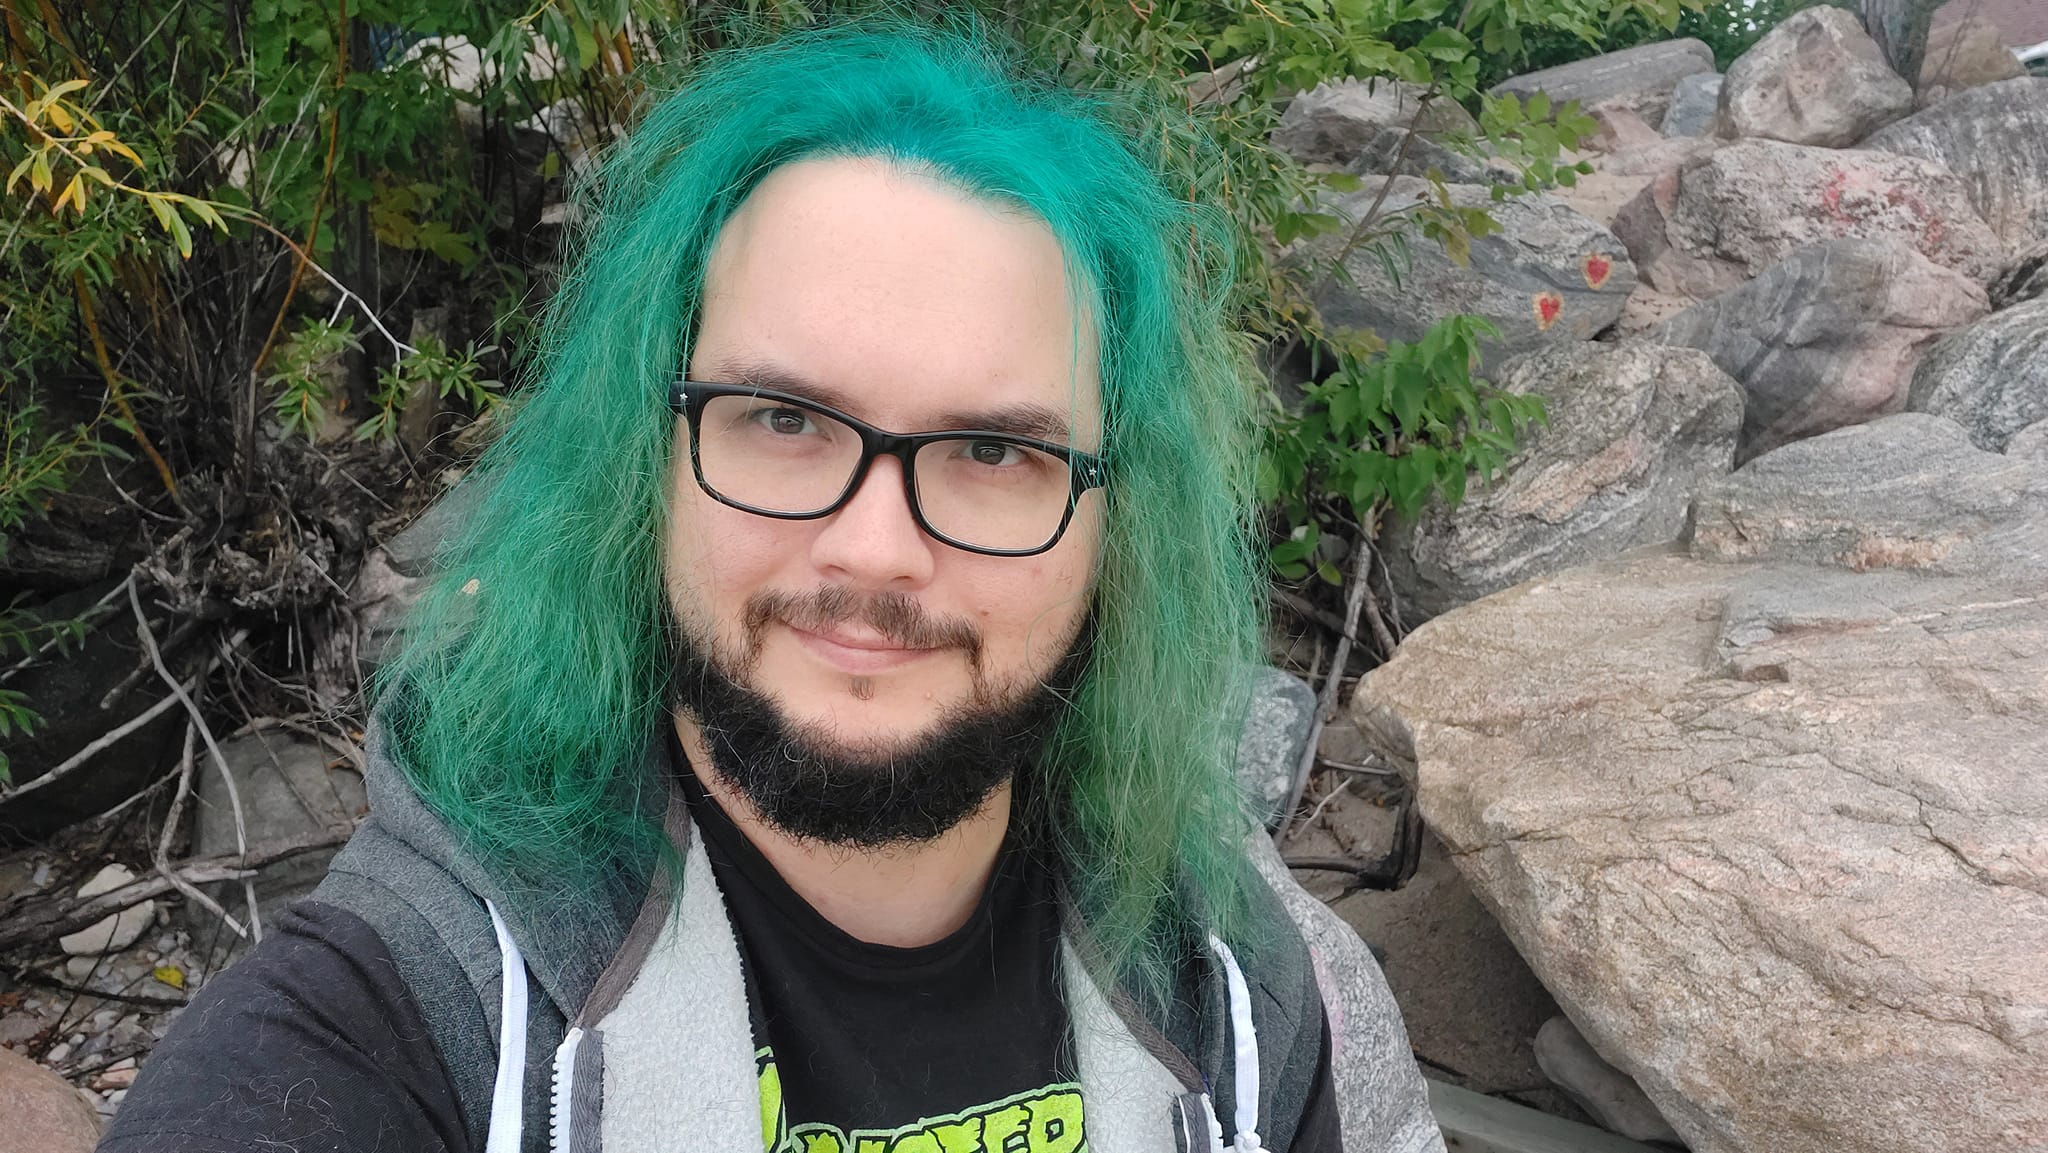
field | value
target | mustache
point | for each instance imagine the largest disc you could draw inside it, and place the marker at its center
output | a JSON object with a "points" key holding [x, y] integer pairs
{"points": [[897, 616]]}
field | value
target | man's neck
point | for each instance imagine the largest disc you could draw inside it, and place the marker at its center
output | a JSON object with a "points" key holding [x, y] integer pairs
{"points": [[904, 896]]}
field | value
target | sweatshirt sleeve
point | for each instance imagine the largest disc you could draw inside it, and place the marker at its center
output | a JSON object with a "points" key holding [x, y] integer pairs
{"points": [[312, 1042]]}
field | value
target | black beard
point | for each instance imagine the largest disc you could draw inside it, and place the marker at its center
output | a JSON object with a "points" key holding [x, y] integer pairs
{"points": [[908, 796]]}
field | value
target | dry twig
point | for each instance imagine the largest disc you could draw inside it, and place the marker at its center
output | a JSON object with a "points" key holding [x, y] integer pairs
{"points": [[220, 762], [42, 921]]}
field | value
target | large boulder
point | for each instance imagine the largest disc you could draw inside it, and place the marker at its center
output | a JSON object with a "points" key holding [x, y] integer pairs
{"points": [[1769, 829], [1992, 377], [1827, 338], [1693, 105], [1996, 138], [1964, 53], [1725, 216], [1549, 276], [1907, 492], [1361, 124], [1641, 78], [1634, 431], [1816, 78], [1621, 174], [290, 788], [2029, 443]]}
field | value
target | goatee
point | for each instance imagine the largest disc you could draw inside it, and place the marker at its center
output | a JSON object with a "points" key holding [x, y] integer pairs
{"points": [[803, 786]]}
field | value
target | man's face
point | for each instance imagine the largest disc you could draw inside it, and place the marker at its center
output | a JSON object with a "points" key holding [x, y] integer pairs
{"points": [[912, 306]]}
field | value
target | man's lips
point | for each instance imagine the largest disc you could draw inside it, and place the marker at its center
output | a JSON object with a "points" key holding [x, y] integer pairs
{"points": [[855, 652]]}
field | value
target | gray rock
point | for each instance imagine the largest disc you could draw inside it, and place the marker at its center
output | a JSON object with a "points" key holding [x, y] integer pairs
{"points": [[1276, 728], [411, 551], [380, 597], [1382, 155], [1992, 377], [1996, 138], [1550, 276], [1964, 54], [2029, 443], [290, 788], [1731, 213], [1360, 124], [1827, 338], [1816, 78], [1907, 492], [1610, 1095], [1634, 431], [1619, 176], [1693, 105], [2024, 277], [1221, 85], [1648, 68]]}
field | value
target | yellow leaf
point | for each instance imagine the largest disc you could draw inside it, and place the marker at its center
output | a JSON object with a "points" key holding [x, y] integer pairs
{"points": [[100, 137], [20, 170], [170, 975], [163, 213], [65, 89], [39, 172], [182, 235], [99, 174], [116, 146], [72, 192], [61, 118]]}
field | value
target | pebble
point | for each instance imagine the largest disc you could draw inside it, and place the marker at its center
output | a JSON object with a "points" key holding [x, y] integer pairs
{"points": [[115, 1079], [57, 1054], [78, 969]]}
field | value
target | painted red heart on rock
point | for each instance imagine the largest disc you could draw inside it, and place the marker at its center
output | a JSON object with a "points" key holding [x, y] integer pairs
{"points": [[1597, 269], [1549, 305]]}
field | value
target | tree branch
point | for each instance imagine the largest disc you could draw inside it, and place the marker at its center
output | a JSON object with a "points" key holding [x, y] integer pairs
{"points": [[44, 921]]}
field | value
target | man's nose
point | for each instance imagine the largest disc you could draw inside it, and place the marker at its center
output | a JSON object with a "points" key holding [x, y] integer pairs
{"points": [[873, 541]]}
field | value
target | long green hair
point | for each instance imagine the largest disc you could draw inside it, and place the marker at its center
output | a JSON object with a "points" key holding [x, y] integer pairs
{"points": [[536, 665]]}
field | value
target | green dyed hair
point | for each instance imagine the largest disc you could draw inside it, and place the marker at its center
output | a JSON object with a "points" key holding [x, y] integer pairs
{"points": [[537, 662]]}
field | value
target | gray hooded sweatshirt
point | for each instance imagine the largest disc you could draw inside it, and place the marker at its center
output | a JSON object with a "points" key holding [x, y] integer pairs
{"points": [[620, 1022]]}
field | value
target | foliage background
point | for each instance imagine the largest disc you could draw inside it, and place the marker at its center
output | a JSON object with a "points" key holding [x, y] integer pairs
{"points": [[263, 271]]}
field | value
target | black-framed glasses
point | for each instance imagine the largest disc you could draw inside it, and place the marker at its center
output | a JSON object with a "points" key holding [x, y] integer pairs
{"points": [[778, 455]]}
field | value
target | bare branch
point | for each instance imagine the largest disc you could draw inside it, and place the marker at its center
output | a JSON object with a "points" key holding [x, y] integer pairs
{"points": [[42, 921], [220, 762], [113, 737]]}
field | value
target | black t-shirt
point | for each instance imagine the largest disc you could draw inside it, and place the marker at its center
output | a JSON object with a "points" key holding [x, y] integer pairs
{"points": [[859, 1042]]}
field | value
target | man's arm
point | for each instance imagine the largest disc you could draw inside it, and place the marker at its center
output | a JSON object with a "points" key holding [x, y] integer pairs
{"points": [[311, 1042]]}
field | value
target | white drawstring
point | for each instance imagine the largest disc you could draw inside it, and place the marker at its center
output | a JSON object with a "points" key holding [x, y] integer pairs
{"points": [[1244, 1042], [506, 1094]]}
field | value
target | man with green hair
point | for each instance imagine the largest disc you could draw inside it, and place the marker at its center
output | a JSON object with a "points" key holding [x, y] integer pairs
{"points": [[820, 736]]}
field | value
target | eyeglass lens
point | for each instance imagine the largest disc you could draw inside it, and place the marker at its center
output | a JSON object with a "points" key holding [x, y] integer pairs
{"points": [[780, 457]]}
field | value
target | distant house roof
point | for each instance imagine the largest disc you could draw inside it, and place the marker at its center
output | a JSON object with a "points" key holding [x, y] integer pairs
{"points": [[2020, 23]]}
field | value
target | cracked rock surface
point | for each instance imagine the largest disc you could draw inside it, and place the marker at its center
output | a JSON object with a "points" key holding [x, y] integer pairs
{"points": [[1771, 821]]}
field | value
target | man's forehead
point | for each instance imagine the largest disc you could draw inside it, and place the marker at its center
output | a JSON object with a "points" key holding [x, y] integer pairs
{"points": [[898, 298]]}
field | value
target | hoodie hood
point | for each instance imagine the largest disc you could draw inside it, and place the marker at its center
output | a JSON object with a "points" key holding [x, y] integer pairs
{"points": [[568, 934]]}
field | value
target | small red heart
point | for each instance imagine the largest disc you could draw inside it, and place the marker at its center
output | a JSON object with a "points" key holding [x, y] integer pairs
{"points": [[1597, 268], [1548, 306]]}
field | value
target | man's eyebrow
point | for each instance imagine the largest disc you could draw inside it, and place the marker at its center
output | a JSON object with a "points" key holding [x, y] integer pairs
{"points": [[1019, 418]]}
